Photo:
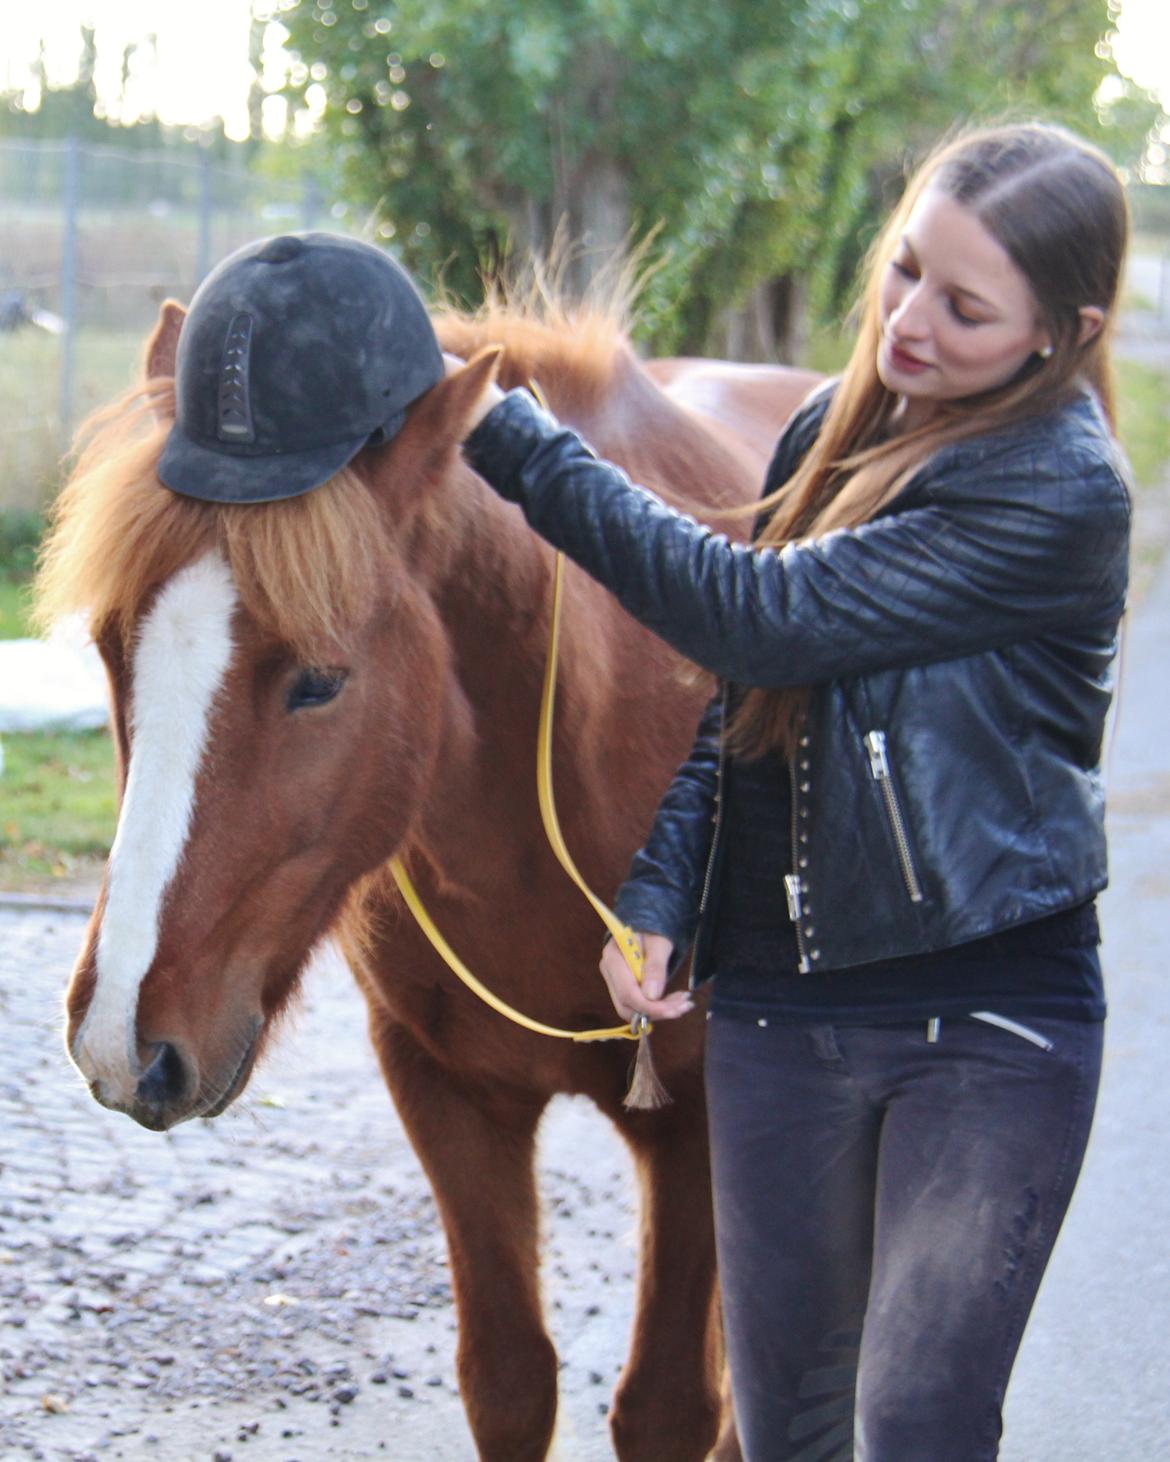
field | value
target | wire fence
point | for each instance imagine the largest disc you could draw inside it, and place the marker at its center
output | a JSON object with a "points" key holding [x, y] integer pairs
{"points": [[92, 240]]}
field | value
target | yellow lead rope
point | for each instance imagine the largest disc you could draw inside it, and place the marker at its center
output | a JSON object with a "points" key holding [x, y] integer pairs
{"points": [[456, 965], [627, 940]]}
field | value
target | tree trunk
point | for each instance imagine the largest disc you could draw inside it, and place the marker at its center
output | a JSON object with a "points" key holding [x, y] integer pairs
{"points": [[770, 326], [598, 220]]}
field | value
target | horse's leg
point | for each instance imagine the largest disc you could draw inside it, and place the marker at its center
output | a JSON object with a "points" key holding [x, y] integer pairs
{"points": [[481, 1166], [667, 1405]]}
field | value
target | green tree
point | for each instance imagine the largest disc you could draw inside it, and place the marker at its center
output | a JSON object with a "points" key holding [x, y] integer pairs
{"points": [[763, 140]]}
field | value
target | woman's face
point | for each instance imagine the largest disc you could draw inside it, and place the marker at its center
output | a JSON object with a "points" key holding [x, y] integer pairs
{"points": [[958, 317]]}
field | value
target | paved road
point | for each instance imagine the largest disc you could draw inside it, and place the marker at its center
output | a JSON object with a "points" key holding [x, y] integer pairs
{"points": [[271, 1285], [1093, 1384]]}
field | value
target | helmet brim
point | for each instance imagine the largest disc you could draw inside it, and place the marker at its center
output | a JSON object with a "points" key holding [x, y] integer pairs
{"points": [[216, 476]]}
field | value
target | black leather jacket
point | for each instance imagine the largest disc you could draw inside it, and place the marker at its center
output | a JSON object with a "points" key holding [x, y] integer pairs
{"points": [[960, 648]]}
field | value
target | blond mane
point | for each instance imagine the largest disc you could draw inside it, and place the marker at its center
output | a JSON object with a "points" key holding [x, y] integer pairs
{"points": [[305, 567], [570, 354]]}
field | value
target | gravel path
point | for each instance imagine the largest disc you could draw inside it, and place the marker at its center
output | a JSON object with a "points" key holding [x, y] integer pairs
{"points": [[271, 1285]]}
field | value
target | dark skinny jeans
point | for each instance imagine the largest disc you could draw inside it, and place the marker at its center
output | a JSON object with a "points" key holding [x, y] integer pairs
{"points": [[885, 1207]]}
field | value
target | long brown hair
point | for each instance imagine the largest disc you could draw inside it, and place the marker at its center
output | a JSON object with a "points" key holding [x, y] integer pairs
{"points": [[1057, 206]]}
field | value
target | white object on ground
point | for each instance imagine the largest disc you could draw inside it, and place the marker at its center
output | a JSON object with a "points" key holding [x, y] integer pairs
{"points": [[56, 684]]}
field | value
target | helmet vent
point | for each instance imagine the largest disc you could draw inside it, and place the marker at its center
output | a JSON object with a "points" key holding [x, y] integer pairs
{"points": [[235, 405]]}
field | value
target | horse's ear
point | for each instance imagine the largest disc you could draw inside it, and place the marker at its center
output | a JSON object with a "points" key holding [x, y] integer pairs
{"points": [[159, 359], [448, 407]]}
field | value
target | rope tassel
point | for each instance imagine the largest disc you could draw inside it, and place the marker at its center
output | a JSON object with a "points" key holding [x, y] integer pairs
{"points": [[646, 1093]]}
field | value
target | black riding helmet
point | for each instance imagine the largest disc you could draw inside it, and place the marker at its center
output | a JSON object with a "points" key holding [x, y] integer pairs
{"points": [[296, 352]]}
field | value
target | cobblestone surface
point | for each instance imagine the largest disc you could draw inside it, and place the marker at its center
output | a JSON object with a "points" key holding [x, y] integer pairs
{"points": [[273, 1284]]}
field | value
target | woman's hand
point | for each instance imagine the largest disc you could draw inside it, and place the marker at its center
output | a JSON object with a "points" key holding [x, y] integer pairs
{"points": [[629, 998], [491, 396]]}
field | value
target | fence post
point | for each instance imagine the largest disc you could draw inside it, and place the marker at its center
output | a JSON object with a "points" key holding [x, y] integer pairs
{"points": [[203, 252], [72, 207]]}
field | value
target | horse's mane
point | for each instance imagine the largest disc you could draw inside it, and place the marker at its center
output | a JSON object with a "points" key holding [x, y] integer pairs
{"points": [[572, 354], [582, 361], [306, 566]]}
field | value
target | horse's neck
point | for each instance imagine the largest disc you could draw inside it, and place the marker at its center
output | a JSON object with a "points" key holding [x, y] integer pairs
{"points": [[490, 582]]}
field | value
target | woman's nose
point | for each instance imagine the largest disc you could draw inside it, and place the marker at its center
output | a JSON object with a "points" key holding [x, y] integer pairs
{"points": [[908, 319]]}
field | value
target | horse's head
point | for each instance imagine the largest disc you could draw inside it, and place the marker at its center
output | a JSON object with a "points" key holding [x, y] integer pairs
{"points": [[278, 675]]}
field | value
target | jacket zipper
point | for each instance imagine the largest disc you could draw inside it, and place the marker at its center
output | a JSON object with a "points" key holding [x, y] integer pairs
{"points": [[793, 884], [879, 766]]}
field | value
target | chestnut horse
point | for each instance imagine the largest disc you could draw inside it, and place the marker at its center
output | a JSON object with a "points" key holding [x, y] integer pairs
{"points": [[302, 689]]}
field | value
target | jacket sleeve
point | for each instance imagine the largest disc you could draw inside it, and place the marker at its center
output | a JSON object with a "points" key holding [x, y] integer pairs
{"points": [[1004, 544], [664, 889]]}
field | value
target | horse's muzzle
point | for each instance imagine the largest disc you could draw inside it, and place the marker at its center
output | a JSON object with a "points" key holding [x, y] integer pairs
{"points": [[169, 1092]]}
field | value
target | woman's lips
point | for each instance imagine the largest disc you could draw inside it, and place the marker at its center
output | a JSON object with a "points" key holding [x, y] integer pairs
{"points": [[904, 361]]}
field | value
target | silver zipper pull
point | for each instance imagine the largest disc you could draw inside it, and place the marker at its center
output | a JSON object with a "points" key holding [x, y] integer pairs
{"points": [[879, 766], [792, 888]]}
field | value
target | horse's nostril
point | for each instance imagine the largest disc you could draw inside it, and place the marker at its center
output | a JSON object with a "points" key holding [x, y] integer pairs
{"points": [[163, 1081]]}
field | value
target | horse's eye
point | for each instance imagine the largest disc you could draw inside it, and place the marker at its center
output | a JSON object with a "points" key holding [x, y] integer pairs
{"points": [[315, 688]]}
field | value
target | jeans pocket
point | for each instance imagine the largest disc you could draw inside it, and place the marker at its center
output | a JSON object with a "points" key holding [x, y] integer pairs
{"points": [[1017, 1028]]}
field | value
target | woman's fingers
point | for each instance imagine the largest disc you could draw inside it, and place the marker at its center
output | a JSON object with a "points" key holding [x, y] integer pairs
{"points": [[629, 998]]}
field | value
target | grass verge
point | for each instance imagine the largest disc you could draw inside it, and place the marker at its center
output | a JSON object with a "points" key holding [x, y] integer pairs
{"points": [[1143, 398], [59, 808], [1143, 393]]}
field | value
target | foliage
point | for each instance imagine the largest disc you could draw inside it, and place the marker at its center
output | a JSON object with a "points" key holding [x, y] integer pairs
{"points": [[20, 534], [14, 609], [764, 138]]}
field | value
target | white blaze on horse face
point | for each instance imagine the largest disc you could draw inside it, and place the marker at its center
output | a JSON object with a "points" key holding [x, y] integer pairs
{"points": [[181, 658]]}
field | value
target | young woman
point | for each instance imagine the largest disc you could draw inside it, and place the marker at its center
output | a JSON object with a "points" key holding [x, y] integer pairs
{"points": [[886, 844]]}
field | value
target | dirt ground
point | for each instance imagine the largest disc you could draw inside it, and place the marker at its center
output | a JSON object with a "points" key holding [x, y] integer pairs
{"points": [[272, 1285]]}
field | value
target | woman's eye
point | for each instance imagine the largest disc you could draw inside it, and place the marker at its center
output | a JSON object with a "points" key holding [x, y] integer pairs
{"points": [[962, 318], [905, 270], [315, 688]]}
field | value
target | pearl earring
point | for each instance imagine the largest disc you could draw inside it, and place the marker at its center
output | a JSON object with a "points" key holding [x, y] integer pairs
{"points": [[1045, 353]]}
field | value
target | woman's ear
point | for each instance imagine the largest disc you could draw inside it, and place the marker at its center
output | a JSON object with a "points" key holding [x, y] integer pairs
{"points": [[1092, 321]]}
